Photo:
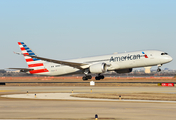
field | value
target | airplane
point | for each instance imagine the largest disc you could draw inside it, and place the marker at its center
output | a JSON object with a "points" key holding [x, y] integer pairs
{"points": [[118, 62]]}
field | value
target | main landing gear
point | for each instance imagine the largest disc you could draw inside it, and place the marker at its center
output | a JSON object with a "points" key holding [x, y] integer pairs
{"points": [[86, 77], [99, 77]]}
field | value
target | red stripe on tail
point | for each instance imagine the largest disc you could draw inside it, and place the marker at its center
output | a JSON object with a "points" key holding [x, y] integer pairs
{"points": [[29, 60], [25, 54], [19, 43], [22, 48], [36, 65], [38, 71]]}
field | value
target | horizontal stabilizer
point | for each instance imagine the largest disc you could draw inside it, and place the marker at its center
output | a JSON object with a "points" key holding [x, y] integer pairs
{"points": [[22, 69]]}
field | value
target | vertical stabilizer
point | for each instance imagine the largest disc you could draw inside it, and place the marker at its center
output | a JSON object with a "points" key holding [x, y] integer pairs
{"points": [[34, 63]]}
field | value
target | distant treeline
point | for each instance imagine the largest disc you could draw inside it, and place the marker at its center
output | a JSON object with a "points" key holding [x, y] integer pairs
{"points": [[4, 73]]}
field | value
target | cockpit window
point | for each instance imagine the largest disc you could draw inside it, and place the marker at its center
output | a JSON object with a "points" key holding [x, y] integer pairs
{"points": [[164, 53]]}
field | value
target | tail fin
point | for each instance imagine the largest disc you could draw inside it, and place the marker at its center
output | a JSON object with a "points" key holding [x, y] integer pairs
{"points": [[34, 63]]}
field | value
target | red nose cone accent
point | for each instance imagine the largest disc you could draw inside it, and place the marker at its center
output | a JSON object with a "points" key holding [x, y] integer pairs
{"points": [[146, 56]]}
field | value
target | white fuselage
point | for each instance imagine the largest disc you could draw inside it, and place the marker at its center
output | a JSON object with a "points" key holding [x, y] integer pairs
{"points": [[115, 62]]}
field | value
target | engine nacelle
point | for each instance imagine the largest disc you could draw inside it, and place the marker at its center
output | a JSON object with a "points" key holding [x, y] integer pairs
{"points": [[124, 70], [98, 68]]}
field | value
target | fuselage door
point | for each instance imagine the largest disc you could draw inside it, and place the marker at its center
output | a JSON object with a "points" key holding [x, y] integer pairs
{"points": [[151, 56]]}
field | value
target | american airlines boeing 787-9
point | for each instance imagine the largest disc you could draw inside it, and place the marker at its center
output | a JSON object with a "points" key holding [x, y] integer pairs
{"points": [[120, 63]]}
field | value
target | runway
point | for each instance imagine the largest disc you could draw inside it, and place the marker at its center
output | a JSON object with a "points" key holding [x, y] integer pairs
{"points": [[3, 83], [84, 89], [67, 96], [65, 109]]}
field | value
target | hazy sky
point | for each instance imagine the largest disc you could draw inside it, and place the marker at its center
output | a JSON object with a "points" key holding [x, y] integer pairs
{"points": [[64, 29]]}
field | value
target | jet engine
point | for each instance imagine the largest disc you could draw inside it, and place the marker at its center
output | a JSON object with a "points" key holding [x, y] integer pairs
{"points": [[124, 70], [98, 68]]}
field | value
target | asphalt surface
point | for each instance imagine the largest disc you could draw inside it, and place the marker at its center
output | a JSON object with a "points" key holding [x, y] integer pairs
{"points": [[84, 89], [83, 109], [67, 96]]}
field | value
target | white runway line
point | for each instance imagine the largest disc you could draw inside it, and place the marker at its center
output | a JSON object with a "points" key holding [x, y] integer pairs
{"points": [[66, 96]]}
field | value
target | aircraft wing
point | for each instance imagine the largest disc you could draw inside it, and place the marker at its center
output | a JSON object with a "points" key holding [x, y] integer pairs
{"points": [[71, 64], [22, 69]]}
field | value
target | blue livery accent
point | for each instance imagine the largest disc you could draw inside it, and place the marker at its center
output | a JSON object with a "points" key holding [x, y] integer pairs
{"points": [[29, 50], [31, 54], [24, 46], [35, 59]]}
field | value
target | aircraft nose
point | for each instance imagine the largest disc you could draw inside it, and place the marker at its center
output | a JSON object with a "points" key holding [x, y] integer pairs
{"points": [[170, 58], [166, 59]]}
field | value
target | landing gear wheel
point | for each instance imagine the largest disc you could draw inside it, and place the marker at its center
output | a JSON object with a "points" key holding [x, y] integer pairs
{"points": [[87, 77], [84, 78], [97, 78], [101, 76], [158, 70]]}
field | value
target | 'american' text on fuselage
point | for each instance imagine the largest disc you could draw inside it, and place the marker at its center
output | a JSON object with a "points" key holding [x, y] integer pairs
{"points": [[124, 58]]}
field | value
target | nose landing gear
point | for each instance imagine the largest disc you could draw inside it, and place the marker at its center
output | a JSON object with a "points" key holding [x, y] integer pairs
{"points": [[159, 70]]}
